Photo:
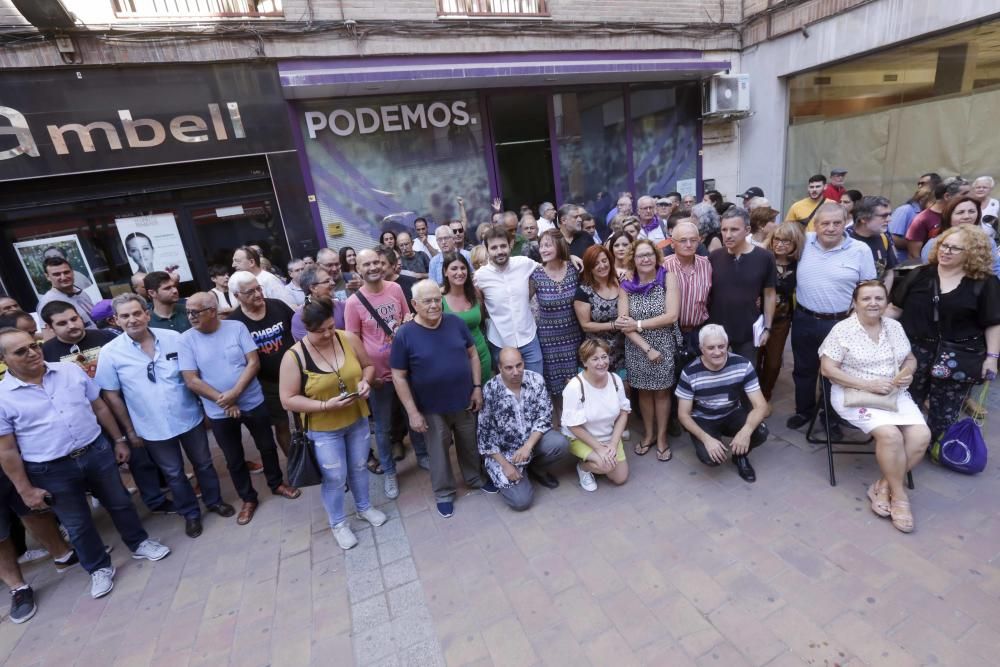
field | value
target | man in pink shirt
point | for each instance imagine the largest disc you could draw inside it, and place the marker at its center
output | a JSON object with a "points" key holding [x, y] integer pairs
{"points": [[373, 314]]}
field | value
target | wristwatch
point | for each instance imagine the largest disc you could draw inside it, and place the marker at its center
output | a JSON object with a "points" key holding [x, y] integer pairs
{"points": [[638, 326], [122, 439]]}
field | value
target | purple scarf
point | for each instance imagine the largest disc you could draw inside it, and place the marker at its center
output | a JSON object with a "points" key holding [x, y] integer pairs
{"points": [[651, 225], [632, 286]]}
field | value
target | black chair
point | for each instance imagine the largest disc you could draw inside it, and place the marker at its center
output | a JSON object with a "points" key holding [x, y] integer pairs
{"points": [[830, 442]]}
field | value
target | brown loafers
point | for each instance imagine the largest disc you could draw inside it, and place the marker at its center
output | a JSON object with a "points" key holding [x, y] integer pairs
{"points": [[286, 491], [246, 513]]}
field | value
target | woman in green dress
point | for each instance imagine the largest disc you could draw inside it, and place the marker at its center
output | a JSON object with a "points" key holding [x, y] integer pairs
{"points": [[460, 299]]}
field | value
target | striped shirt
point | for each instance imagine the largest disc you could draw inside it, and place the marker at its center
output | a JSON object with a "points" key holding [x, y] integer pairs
{"points": [[825, 279], [716, 394], [695, 282]]}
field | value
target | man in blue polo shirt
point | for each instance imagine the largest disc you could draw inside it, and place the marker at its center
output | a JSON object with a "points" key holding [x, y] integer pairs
{"points": [[832, 264], [710, 394], [219, 362], [436, 373], [158, 411]]}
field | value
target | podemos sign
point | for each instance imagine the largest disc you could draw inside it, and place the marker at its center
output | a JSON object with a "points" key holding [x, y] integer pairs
{"points": [[388, 118]]}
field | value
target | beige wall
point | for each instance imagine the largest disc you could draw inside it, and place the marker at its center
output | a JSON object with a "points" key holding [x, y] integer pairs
{"points": [[887, 150], [396, 27]]}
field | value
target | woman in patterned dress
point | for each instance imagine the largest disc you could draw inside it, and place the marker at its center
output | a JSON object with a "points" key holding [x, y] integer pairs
{"points": [[460, 299], [554, 286], [596, 304], [648, 308]]}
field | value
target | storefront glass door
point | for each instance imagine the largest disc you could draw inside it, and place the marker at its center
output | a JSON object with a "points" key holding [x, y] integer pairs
{"points": [[523, 148]]}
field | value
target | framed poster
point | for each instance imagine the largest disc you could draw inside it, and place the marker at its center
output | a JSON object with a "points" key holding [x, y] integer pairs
{"points": [[33, 253], [152, 243]]}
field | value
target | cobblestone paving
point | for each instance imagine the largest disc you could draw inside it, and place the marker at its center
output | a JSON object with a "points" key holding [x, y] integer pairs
{"points": [[683, 565]]}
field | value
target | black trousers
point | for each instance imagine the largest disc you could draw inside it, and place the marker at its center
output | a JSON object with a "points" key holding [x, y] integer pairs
{"points": [[728, 427]]}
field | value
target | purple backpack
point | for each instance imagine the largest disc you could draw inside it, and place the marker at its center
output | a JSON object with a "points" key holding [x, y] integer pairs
{"points": [[961, 448]]}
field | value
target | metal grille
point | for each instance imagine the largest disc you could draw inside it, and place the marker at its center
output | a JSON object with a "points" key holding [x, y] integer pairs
{"points": [[492, 8], [159, 9]]}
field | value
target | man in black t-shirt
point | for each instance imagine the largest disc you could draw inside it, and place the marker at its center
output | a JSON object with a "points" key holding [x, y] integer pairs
{"points": [[270, 325], [73, 342], [871, 224], [570, 226], [743, 281]]}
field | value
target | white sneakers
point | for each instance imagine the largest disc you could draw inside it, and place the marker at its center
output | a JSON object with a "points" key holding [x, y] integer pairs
{"points": [[587, 481], [102, 581], [150, 550], [391, 485], [373, 516], [345, 536]]}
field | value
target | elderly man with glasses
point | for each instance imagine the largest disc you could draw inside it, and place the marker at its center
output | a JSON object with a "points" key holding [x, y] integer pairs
{"points": [[653, 225], [219, 362], [447, 242], [139, 377], [436, 372]]}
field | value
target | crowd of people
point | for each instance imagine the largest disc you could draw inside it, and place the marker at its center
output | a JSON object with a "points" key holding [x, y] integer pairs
{"points": [[520, 343]]}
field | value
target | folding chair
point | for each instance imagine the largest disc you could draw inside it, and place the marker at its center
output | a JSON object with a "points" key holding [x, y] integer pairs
{"points": [[829, 442]]}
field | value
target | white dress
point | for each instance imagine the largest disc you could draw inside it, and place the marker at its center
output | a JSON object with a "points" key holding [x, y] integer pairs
{"points": [[861, 357]]}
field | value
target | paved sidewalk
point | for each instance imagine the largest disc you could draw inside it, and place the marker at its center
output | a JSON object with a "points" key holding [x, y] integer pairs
{"points": [[682, 565]]}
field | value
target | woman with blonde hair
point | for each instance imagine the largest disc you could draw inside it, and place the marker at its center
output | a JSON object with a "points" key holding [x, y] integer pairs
{"points": [[785, 242]]}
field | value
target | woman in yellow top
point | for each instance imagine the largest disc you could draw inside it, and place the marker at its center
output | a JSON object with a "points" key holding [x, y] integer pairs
{"points": [[326, 378]]}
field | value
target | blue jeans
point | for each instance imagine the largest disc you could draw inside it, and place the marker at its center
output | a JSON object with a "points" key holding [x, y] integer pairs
{"points": [[69, 480], [167, 455], [146, 477], [808, 334], [341, 456], [381, 401], [531, 354]]}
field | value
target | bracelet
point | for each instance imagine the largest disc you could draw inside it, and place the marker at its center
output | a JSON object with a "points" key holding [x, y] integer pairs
{"points": [[993, 355], [614, 326], [122, 439], [477, 386]]}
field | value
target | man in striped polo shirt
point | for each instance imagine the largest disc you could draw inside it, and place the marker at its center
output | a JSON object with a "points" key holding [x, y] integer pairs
{"points": [[710, 403]]}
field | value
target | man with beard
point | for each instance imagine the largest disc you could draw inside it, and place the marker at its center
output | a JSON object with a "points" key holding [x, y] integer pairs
{"points": [[168, 307], [73, 342]]}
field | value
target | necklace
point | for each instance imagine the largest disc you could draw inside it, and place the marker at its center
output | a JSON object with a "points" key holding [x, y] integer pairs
{"points": [[334, 369]]}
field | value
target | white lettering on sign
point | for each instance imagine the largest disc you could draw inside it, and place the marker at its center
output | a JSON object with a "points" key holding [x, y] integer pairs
{"points": [[138, 132], [389, 118]]}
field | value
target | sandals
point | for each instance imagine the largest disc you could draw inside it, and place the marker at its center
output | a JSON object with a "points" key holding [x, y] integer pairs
{"points": [[880, 499], [374, 466], [902, 516], [664, 455], [642, 448]]}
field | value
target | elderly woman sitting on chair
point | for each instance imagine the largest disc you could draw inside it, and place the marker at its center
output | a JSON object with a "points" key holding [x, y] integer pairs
{"points": [[867, 358]]}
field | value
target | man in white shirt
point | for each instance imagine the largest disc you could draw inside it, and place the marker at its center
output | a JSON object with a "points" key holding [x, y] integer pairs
{"points": [[423, 242], [547, 219], [248, 259], [504, 284], [295, 268]]}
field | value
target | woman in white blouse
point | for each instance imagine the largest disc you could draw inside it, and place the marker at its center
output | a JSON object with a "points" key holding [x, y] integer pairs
{"points": [[868, 356], [594, 416]]}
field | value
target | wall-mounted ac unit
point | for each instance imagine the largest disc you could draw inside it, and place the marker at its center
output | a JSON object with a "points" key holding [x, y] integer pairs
{"points": [[726, 96]]}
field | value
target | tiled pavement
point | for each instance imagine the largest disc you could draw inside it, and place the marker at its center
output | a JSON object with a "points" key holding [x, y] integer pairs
{"points": [[683, 565]]}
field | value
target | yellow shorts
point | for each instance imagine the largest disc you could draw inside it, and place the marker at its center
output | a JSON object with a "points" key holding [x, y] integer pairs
{"points": [[582, 450]]}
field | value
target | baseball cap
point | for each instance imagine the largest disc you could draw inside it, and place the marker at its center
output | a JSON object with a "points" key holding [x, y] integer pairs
{"points": [[102, 310], [664, 200], [839, 171], [752, 192]]}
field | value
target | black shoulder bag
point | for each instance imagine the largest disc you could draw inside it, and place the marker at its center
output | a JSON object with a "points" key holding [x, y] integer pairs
{"points": [[957, 360], [302, 466], [382, 324]]}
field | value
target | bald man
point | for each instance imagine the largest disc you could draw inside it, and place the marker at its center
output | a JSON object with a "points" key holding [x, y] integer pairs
{"points": [[516, 438]]}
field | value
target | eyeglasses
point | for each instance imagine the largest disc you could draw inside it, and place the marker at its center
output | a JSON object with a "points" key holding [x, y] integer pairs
{"points": [[429, 301], [950, 249], [687, 241], [23, 351], [151, 371], [253, 290], [646, 256], [646, 208], [195, 314], [783, 242], [322, 282]]}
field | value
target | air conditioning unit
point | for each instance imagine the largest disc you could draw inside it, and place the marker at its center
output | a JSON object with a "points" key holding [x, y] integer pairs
{"points": [[726, 96]]}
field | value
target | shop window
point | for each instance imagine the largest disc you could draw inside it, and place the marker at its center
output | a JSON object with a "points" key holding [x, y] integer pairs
{"points": [[377, 163], [222, 229], [962, 61], [664, 139], [593, 156], [103, 250]]}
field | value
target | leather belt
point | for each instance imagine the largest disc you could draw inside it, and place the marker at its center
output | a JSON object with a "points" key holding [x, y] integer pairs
{"points": [[823, 316]]}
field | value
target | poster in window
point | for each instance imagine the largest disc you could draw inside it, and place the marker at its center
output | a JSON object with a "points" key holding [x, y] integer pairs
{"points": [[152, 243], [33, 254]]}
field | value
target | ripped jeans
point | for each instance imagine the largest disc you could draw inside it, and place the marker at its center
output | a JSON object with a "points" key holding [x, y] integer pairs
{"points": [[342, 455]]}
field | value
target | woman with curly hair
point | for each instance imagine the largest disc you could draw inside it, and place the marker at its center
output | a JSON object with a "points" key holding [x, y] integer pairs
{"points": [[950, 310]]}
